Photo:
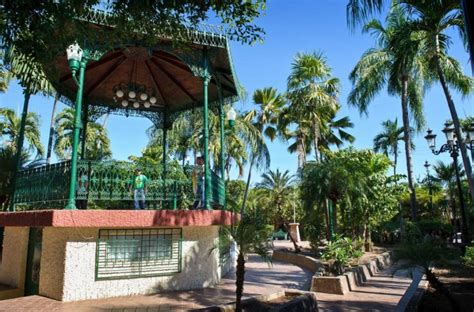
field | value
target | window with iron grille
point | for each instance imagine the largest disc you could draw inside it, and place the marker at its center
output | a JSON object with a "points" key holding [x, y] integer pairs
{"points": [[138, 253]]}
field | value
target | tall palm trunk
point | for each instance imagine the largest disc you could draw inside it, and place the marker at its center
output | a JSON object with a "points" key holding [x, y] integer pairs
{"points": [[247, 186], [239, 282], [395, 158], [301, 153], [408, 151], [456, 123], [51, 130], [316, 134]]}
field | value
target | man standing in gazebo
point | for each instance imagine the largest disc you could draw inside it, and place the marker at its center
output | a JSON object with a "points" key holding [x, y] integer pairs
{"points": [[139, 183]]}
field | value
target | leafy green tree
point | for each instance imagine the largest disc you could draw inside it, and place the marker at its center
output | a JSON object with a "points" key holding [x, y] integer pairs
{"points": [[387, 141], [97, 141], [10, 128], [312, 92], [395, 62], [356, 184]]}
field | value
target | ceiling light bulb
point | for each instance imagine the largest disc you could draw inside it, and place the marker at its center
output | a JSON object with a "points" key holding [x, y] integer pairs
{"points": [[124, 103], [119, 93], [132, 94], [143, 96], [153, 100], [146, 104], [136, 104]]}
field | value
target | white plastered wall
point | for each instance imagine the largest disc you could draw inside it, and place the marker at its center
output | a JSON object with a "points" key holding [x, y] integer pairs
{"points": [[68, 266], [15, 250]]}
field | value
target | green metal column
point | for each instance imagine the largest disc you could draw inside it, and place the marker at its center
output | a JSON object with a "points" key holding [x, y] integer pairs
{"points": [[222, 133], [84, 131], [207, 175], [165, 132], [75, 143], [222, 137], [331, 219], [19, 145]]}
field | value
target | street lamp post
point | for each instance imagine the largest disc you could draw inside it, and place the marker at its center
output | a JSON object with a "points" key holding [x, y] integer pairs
{"points": [[430, 188], [452, 146], [77, 59]]}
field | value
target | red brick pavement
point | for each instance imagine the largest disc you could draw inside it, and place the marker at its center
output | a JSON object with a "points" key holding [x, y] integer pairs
{"points": [[260, 279]]}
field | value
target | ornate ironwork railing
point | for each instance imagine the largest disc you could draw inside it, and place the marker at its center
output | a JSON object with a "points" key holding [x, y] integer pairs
{"points": [[103, 184], [217, 190], [43, 184]]}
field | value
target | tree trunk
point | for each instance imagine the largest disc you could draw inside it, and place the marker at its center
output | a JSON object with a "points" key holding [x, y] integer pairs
{"points": [[408, 151], [326, 215], [395, 158], [247, 186], [316, 134], [239, 282], [51, 130], [301, 154], [334, 215], [457, 125], [439, 286]]}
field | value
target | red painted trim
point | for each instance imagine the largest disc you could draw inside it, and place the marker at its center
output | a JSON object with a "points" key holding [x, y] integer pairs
{"points": [[116, 218]]}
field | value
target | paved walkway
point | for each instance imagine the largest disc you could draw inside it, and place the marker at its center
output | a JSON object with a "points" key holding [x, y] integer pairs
{"points": [[381, 292], [259, 279]]}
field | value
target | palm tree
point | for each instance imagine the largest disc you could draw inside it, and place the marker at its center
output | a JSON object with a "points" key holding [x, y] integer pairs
{"points": [[394, 62], [97, 141], [277, 186], [250, 236], [7, 163], [446, 175], [10, 129], [312, 91], [51, 129], [387, 141], [265, 120], [335, 133], [434, 19]]}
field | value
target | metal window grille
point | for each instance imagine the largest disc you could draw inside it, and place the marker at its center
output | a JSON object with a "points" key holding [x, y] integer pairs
{"points": [[131, 253]]}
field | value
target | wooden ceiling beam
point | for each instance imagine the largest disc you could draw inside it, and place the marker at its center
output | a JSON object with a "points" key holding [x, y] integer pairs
{"points": [[105, 75], [155, 83], [170, 77]]}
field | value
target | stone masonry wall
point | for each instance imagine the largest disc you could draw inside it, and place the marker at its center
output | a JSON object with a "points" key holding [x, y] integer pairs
{"points": [[68, 266], [15, 250]]}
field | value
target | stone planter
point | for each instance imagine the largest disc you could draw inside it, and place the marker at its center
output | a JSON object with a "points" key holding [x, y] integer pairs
{"points": [[342, 284]]}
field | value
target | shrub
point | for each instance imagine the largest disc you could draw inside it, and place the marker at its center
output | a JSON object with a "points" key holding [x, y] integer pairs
{"points": [[342, 250], [412, 233], [468, 258]]}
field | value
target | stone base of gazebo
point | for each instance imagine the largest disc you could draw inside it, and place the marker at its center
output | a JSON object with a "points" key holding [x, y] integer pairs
{"points": [[90, 254]]}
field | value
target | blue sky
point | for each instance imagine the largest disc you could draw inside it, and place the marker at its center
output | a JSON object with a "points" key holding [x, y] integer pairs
{"points": [[292, 27]]}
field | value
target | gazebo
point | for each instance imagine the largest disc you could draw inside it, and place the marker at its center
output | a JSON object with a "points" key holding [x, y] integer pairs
{"points": [[52, 249]]}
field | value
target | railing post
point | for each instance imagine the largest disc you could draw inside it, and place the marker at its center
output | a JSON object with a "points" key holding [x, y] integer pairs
{"points": [[207, 179], [175, 195], [75, 144], [19, 145]]}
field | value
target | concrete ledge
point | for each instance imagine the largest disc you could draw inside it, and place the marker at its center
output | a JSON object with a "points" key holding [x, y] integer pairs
{"points": [[302, 261], [117, 218], [11, 293], [330, 284], [350, 280]]}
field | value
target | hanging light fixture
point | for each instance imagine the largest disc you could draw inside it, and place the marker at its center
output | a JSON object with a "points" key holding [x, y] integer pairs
{"points": [[134, 94]]}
